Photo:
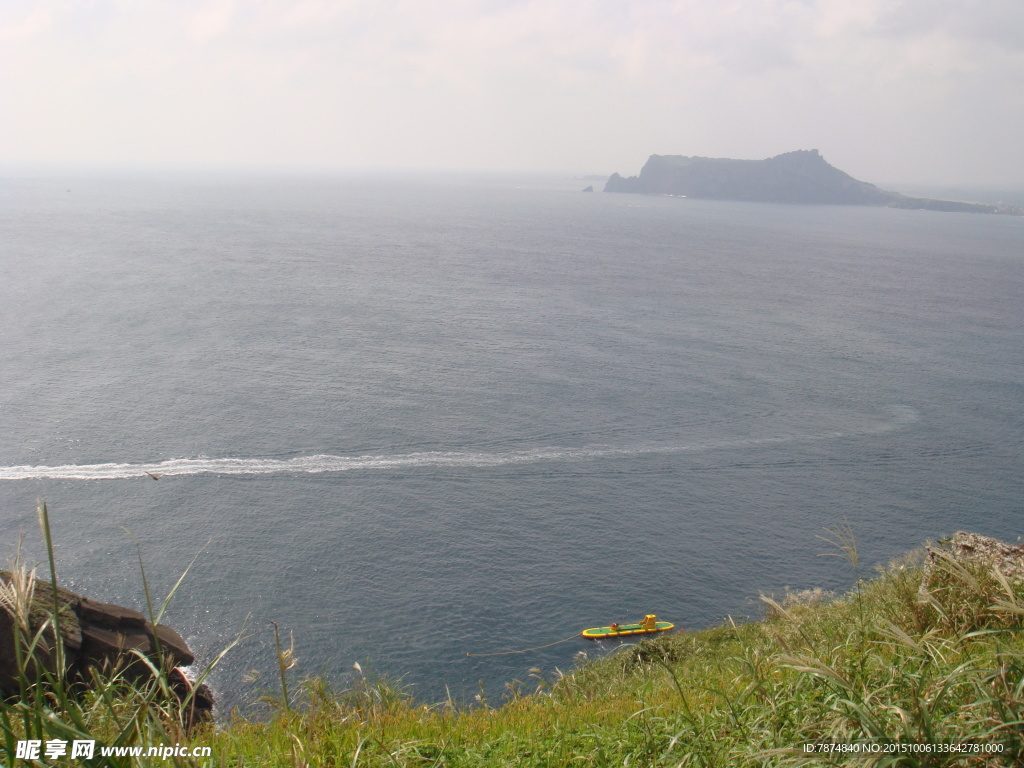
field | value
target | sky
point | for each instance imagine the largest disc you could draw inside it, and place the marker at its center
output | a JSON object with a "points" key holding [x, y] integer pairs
{"points": [[914, 91]]}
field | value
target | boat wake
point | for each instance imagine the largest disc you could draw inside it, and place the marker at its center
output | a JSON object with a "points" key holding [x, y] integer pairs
{"points": [[324, 463]]}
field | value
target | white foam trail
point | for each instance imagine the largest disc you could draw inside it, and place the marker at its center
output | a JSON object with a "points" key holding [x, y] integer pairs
{"points": [[322, 463], [299, 465]]}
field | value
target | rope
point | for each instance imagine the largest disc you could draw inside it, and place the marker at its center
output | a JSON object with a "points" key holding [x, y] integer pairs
{"points": [[527, 650]]}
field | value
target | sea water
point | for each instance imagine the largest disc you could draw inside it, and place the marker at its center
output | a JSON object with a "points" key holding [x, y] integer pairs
{"points": [[414, 420]]}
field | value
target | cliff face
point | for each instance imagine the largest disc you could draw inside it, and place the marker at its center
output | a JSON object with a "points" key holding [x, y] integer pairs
{"points": [[794, 177]]}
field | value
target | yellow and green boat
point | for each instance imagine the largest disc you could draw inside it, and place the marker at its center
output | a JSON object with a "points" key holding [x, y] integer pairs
{"points": [[648, 626]]}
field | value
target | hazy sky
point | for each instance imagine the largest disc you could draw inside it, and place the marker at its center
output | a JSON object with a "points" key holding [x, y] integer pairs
{"points": [[888, 90]]}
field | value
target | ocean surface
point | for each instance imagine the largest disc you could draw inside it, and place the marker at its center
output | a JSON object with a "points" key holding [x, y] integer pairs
{"points": [[412, 418]]}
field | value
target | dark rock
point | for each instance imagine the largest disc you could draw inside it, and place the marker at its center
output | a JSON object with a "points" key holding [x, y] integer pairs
{"points": [[98, 635], [102, 644], [71, 630], [198, 699], [110, 615], [9, 677], [172, 645]]}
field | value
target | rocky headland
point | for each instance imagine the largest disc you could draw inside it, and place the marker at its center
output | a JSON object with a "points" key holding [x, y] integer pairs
{"points": [[94, 635], [802, 177]]}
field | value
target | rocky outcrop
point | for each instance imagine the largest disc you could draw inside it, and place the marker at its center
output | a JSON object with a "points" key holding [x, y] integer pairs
{"points": [[802, 176], [96, 635], [973, 549]]}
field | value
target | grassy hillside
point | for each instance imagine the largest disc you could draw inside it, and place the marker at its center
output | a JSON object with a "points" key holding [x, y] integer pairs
{"points": [[923, 676]]}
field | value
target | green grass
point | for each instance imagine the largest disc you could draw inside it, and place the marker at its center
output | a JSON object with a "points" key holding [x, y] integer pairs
{"points": [[886, 664]]}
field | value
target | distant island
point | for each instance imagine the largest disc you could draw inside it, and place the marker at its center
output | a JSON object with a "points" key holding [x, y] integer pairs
{"points": [[802, 176]]}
